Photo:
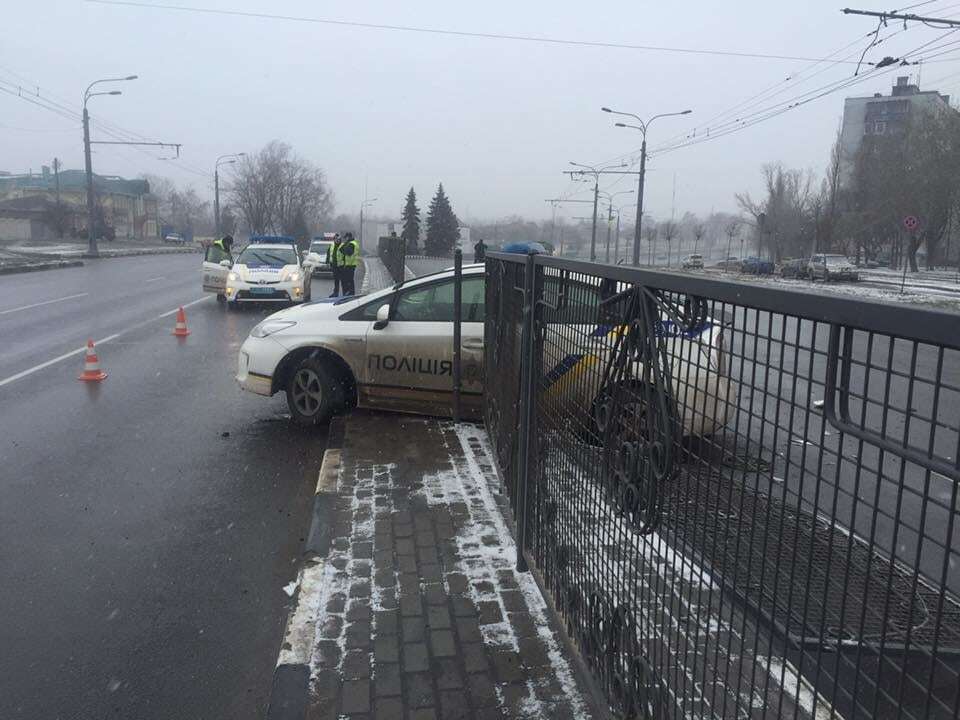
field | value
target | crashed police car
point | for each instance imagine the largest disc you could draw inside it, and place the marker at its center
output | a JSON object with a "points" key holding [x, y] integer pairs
{"points": [[393, 350]]}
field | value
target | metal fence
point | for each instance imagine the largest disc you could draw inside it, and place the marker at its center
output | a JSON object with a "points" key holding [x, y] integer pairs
{"points": [[742, 500]]}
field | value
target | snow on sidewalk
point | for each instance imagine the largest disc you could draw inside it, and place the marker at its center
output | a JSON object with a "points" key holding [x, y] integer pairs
{"points": [[422, 613]]}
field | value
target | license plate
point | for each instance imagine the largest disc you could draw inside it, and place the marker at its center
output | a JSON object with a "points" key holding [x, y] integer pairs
{"points": [[261, 291]]}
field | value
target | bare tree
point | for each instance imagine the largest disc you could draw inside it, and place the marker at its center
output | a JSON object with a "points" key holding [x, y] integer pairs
{"points": [[782, 218], [275, 191], [731, 230], [669, 230], [650, 232], [699, 230]]}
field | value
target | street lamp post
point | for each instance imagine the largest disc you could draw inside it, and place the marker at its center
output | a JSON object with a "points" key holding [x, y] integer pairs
{"points": [[92, 250], [596, 172], [227, 159], [642, 127], [364, 204]]}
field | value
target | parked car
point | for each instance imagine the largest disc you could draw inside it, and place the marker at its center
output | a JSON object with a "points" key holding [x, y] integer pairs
{"points": [[757, 266], [731, 263], [692, 262], [794, 268], [832, 267], [175, 238]]}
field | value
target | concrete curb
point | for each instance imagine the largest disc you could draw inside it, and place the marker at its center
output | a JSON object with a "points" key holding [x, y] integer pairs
{"points": [[37, 266], [289, 693]]}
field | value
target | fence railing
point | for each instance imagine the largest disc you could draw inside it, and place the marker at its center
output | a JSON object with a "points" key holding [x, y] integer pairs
{"points": [[742, 500]]}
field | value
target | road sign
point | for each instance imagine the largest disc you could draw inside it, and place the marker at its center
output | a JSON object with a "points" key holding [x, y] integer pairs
{"points": [[911, 222]]}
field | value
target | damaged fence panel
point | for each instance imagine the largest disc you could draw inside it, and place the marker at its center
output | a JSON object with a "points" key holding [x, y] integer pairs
{"points": [[742, 499]]}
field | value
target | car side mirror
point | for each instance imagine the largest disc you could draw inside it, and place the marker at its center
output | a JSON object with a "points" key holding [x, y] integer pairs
{"points": [[226, 263], [383, 317]]}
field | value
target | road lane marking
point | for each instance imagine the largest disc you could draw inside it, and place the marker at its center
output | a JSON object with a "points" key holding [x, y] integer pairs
{"points": [[185, 305], [45, 302], [154, 279], [101, 341]]}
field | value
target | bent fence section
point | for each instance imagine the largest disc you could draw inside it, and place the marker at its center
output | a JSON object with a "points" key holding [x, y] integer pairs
{"points": [[742, 500]]}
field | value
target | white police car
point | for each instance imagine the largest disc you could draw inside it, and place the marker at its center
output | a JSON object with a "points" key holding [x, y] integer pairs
{"points": [[393, 350], [268, 270]]}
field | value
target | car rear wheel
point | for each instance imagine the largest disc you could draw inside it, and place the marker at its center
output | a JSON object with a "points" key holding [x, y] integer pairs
{"points": [[313, 393]]}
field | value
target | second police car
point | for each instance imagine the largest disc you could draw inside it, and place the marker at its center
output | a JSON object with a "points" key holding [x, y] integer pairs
{"points": [[393, 350], [267, 270]]}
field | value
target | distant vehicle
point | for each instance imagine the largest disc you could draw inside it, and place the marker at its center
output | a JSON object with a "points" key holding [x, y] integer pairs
{"points": [[731, 263], [523, 248], [315, 258], [832, 267], [794, 268], [692, 262], [175, 238], [756, 266]]}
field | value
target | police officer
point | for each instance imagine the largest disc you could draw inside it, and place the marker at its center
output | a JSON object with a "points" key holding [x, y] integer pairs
{"points": [[333, 260], [226, 245], [480, 252], [349, 258]]}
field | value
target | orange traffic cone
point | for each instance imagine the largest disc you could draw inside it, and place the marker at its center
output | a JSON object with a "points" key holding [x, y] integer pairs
{"points": [[180, 330], [91, 366]]}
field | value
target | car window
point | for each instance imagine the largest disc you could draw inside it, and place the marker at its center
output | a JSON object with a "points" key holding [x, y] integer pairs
{"points": [[581, 303], [434, 302], [320, 248], [215, 254], [257, 257]]}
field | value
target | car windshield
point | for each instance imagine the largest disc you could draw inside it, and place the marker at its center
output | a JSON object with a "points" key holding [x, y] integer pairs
{"points": [[319, 247], [837, 259], [259, 257]]}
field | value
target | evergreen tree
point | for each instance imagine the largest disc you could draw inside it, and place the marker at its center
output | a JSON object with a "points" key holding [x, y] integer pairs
{"points": [[443, 228], [411, 224]]}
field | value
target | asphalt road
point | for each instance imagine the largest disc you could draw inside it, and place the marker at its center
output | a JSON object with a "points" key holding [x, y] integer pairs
{"points": [[148, 524]]}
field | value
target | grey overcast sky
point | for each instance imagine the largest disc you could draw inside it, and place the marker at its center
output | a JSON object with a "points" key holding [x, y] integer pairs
{"points": [[497, 121]]}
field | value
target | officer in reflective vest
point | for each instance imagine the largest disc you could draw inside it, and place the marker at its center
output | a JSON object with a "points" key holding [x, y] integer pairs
{"points": [[226, 245], [333, 260], [348, 257]]}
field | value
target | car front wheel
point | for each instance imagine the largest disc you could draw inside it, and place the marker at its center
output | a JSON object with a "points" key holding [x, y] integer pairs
{"points": [[313, 393]]}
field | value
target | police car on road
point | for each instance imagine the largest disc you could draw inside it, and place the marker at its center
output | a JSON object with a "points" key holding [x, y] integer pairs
{"points": [[393, 350], [268, 269]]}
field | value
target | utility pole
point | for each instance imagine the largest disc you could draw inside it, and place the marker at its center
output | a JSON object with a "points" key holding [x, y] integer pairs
{"points": [[364, 204], [227, 159], [616, 246], [56, 181], [92, 250], [596, 172], [883, 16], [606, 257]]}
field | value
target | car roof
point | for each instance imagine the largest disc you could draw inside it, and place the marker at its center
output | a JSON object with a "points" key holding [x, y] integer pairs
{"points": [[270, 246]]}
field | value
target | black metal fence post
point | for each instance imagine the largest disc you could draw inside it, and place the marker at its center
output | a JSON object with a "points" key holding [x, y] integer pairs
{"points": [[457, 319], [527, 351]]}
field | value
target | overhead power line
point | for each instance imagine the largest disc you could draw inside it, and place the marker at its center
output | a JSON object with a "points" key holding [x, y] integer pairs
{"points": [[906, 17], [454, 33]]}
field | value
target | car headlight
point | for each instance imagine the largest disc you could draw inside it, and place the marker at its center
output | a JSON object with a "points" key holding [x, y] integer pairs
{"points": [[294, 276], [232, 277], [269, 327]]}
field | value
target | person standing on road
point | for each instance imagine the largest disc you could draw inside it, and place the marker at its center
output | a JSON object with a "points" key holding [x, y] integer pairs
{"points": [[480, 252], [333, 258], [348, 260]]}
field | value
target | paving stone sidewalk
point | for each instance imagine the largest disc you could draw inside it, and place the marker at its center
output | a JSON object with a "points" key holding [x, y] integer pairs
{"points": [[422, 614]]}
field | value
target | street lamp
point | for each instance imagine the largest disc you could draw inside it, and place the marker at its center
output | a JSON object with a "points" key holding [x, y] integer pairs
{"points": [[92, 250], [596, 193], [364, 204], [227, 159], [642, 127], [609, 198]]}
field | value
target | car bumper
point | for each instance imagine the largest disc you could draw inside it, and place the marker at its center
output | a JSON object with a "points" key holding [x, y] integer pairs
{"points": [[284, 292], [256, 363]]}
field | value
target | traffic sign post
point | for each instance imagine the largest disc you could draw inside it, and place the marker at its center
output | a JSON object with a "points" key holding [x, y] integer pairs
{"points": [[911, 223]]}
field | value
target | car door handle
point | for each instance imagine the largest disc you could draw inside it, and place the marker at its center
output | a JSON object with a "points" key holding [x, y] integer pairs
{"points": [[473, 344]]}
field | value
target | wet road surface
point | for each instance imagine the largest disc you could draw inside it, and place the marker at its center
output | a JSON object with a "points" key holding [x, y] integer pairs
{"points": [[149, 523]]}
